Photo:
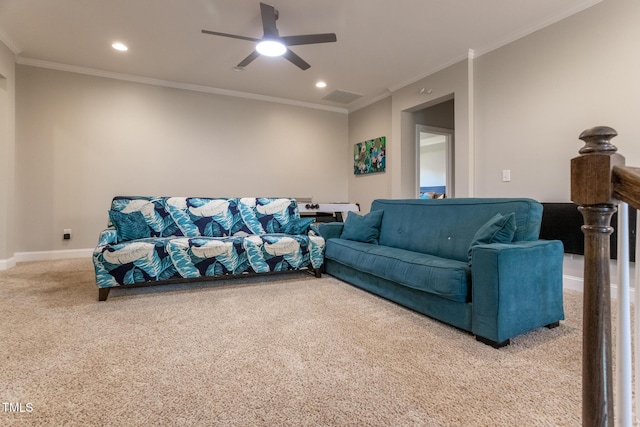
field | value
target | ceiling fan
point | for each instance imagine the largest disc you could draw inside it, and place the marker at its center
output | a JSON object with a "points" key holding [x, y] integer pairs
{"points": [[271, 44]]}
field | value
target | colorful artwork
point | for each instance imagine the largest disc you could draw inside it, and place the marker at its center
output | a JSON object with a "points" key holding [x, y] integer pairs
{"points": [[369, 156]]}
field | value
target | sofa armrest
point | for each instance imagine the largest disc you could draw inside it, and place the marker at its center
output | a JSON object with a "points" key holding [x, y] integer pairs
{"points": [[108, 237], [516, 288], [330, 230]]}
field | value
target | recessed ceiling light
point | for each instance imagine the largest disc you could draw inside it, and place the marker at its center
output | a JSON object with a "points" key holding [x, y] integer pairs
{"points": [[321, 84], [120, 46], [271, 48]]}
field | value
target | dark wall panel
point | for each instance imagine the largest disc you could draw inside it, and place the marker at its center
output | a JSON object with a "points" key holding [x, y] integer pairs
{"points": [[562, 221]]}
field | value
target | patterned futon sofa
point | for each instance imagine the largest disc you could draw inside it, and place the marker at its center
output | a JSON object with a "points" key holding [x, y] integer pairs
{"points": [[158, 239]]}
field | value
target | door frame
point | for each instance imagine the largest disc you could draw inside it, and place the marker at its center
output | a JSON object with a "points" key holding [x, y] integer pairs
{"points": [[449, 148]]}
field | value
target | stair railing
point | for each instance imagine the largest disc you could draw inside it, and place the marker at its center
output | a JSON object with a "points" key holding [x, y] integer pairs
{"points": [[600, 185]]}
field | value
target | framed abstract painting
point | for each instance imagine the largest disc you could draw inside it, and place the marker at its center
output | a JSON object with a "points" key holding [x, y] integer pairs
{"points": [[369, 156]]}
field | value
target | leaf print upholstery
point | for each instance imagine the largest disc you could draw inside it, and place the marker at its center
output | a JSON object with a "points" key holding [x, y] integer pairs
{"points": [[177, 208], [194, 237]]}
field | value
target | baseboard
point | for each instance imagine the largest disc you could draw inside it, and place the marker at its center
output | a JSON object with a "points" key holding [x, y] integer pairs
{"points": [[573, 283], [50, 255], [6, 264], [573, 269]]}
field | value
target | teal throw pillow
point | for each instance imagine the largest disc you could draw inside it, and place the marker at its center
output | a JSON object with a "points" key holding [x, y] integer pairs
{"points": [[499, 229], [129, 226], [362, 228], [298, 226]]}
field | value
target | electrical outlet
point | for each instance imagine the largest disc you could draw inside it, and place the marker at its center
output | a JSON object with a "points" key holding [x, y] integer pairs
{"points": [[506, 175], [66, 234]]}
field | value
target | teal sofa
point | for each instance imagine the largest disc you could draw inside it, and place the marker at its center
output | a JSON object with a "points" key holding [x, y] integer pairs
{"points": [[476, 264]]}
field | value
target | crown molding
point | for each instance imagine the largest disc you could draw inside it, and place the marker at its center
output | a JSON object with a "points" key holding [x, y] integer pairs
{"points": [[365, 103], [476, 52], [4, 38], [530, 30], [175, 85], [428, 73]]}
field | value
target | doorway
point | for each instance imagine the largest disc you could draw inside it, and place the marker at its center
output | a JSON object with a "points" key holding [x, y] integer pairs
{"points": [[434, 162]]}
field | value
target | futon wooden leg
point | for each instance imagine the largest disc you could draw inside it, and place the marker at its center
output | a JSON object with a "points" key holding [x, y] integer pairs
{"points": [[317, 272], [103, 293], [553, 325], [493, 343]]}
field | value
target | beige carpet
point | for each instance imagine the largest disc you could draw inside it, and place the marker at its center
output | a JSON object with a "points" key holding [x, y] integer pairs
{"points": [[285, 350]]}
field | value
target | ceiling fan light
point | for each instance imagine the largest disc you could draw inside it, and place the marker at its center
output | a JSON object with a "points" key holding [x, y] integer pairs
{"points": [[271, 48], [120, 46]]}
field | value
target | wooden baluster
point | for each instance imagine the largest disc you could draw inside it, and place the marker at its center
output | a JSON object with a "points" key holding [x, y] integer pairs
{"points": [[591, 189], [597, 391]]}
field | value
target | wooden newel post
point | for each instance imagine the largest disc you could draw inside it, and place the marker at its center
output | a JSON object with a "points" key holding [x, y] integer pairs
{"points": [[591, 189]]}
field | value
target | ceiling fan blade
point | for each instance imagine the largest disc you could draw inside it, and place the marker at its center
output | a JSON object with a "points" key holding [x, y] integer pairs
{"points": [[248, 60], [309, 39], [269, 16], [296, 60], [233, 36]]}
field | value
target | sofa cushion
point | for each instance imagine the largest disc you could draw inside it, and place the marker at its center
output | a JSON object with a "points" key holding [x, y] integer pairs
{"points": [[152, 209], [210, 217], [162, 258], [138, 217], [499, 229], [362, 228], [129, 226], [221, 217], [298, 226], [133, 262], [266, 215], [444, 277], [196, 216], [446, 227]]}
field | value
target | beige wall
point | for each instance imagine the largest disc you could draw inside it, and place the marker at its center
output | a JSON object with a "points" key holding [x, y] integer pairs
{"points": [[371, 122], [84, 139], [7, 156], [534, 97], [394, 117], [522, 107], [80, 140], [452, 82]]}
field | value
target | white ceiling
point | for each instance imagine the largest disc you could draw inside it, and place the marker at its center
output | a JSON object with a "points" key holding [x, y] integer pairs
{"points": [[382, 44]]}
